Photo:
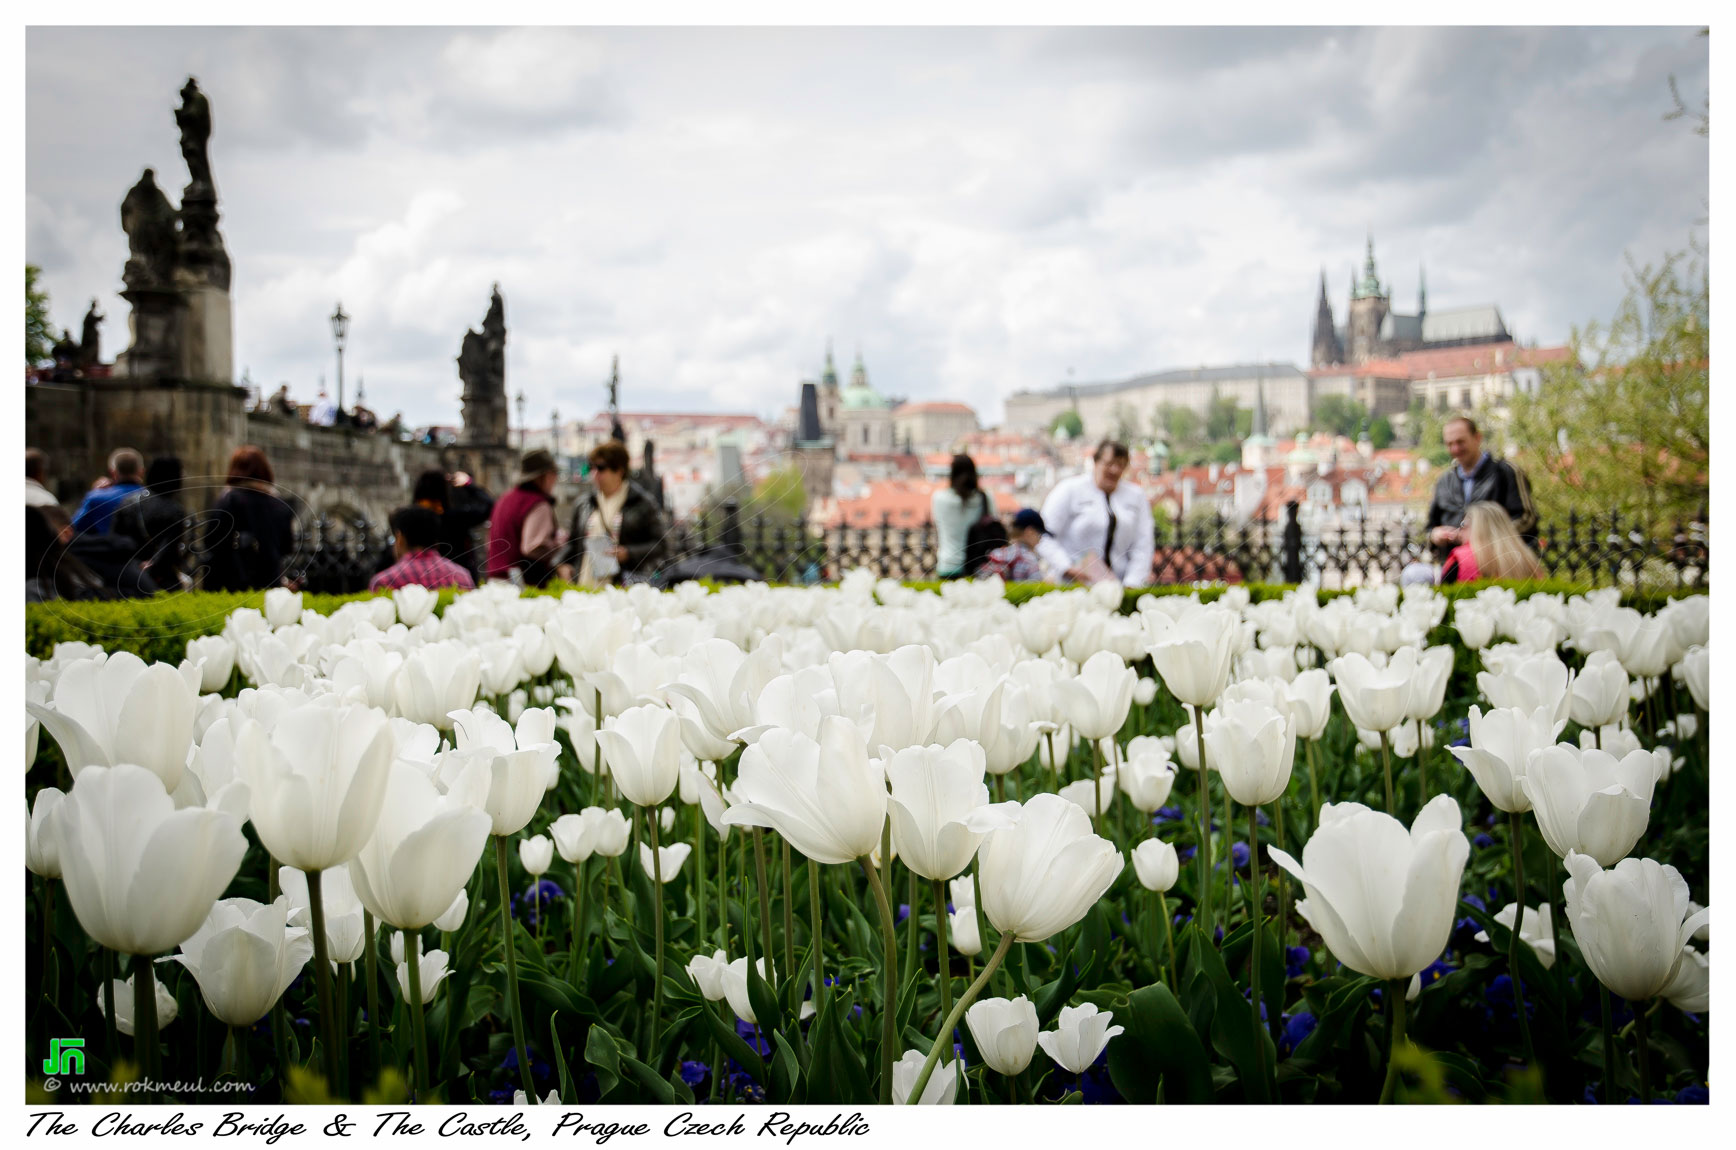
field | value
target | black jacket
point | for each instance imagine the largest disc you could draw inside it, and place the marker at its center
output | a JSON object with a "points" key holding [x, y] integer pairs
{"points": [[1494, 481], [642, 533], [157, 524], [249, 540]]}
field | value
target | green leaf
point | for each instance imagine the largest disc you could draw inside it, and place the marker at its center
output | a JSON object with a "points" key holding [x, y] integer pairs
{"points": [[564, 1079], [733, 1045], [605, 1060], [1159, 1047], [763, 1000], [787, 1084], [837, 1074]]}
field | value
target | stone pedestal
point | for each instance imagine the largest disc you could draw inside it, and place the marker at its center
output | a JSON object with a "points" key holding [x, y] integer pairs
{"points": [[207, 334], [154, 336]]}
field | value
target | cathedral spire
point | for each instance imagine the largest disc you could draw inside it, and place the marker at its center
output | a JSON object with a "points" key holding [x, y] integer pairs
{"points": [[1422, 291], [1326, 347], [1259, 427]]}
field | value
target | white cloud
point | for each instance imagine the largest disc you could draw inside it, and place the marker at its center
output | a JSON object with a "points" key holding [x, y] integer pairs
{"points": [[978, 210]]}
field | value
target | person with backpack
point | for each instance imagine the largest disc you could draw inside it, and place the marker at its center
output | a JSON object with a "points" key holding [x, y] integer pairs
{"points": [[965, 525], [251, 535], [1103, 523]]}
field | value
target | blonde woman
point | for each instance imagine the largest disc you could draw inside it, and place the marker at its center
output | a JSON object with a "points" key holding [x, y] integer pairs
{"points": [[1491, 549]]}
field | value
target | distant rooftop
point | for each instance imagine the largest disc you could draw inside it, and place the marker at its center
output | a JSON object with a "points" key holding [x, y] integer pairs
{"points": [[1273, 371]]}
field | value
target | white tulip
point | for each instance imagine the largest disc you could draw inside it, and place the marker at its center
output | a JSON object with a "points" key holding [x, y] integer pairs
{"points": [[433, 969], [125, 997], [942, 1086], [244, 956], [1536, 930], [535, 854], [1156, 864], [1080, 1035], [1005, 1032]]}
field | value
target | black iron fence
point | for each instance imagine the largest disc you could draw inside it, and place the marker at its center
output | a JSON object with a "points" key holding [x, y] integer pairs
{"points": [[339, 555]]}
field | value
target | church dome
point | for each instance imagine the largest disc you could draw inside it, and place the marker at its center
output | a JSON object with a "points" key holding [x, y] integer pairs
{"points": [[860, 395]]}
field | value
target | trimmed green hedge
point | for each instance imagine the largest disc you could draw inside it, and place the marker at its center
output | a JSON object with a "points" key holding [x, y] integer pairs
{"points": [[157, 629]]}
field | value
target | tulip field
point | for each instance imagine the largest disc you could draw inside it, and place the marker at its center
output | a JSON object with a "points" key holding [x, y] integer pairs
{"points": [[874, 843]]}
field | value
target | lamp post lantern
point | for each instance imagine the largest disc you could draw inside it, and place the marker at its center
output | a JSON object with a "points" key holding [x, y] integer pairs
{"points": [[340, 331]]}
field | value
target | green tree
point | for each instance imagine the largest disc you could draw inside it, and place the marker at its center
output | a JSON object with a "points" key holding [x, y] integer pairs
{"points": [[1339, 414], [1380, 432], [1179, 425], [38, 334], [1624, 424], [1162, 522], [1221, 421], [780, 494], [1126, 420], [1069, 422]]}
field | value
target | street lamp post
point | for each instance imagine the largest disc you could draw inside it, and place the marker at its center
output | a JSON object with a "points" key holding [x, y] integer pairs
{"points": [[340, 330], [555, 433], [521, 420]]}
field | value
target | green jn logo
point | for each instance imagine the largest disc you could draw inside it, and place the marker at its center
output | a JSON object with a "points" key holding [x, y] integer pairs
{"points": [[65, 1056]]}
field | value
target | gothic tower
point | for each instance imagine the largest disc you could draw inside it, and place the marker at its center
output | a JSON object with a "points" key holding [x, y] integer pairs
{"points": [[1327, 348], [1369, 303]]}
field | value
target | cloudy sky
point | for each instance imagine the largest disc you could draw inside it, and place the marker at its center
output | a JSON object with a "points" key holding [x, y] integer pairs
{"points": [[979, 211]]}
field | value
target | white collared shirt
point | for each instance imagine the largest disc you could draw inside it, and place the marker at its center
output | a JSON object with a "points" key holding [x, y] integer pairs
{"points": [[1077, 514]]}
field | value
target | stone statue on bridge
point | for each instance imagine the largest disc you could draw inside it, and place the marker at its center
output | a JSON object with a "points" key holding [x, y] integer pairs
{"points": [[90, 341], [149, 221], [194, 119], [482, 367]]}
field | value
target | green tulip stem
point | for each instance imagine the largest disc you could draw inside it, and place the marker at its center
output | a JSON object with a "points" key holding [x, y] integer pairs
{"points": [[1054, 763], [1283, 909], [1386, 766], [578, 921], [322, 981], [699, 875], [815, 937], [944, 956], [1169, 940], [1257, 892], [418, 1027], [1097, 785], [108, 1006], [889, 1005], [1000, 788], [943, 1041], [343, 977], [47, 927], [1203, 900], [651, 821], [285, 1041], [1642, 1050], [511, 969], [789, 901], [371, 972], [1313, 786], [1395, 990], [1422, 769], [912, 931], [764, 900], [1609, 1079], [1229, 859], [602, 775], [145, 1015], [1517, 825], [723, 886]]}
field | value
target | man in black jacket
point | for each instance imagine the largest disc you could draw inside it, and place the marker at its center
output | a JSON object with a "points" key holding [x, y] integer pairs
{"points": [[1475, 477]]}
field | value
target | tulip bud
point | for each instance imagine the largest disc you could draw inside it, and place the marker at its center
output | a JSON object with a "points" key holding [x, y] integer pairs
{"points": [[1080, 1035], [643, 745], [735, 988], [669, 857], [244, 956], [1599, 696], [610, 831], [1590, 801], [1632, 922], [1156, 864], [125, 997], [535, 854], [433, 969], [1005, 1032], [962, 931], [1253, 747], [1536, 932], [1695, 670], [942, 1087], [708, 974], [453, 918], [1381, 897], [1044, 873]]}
